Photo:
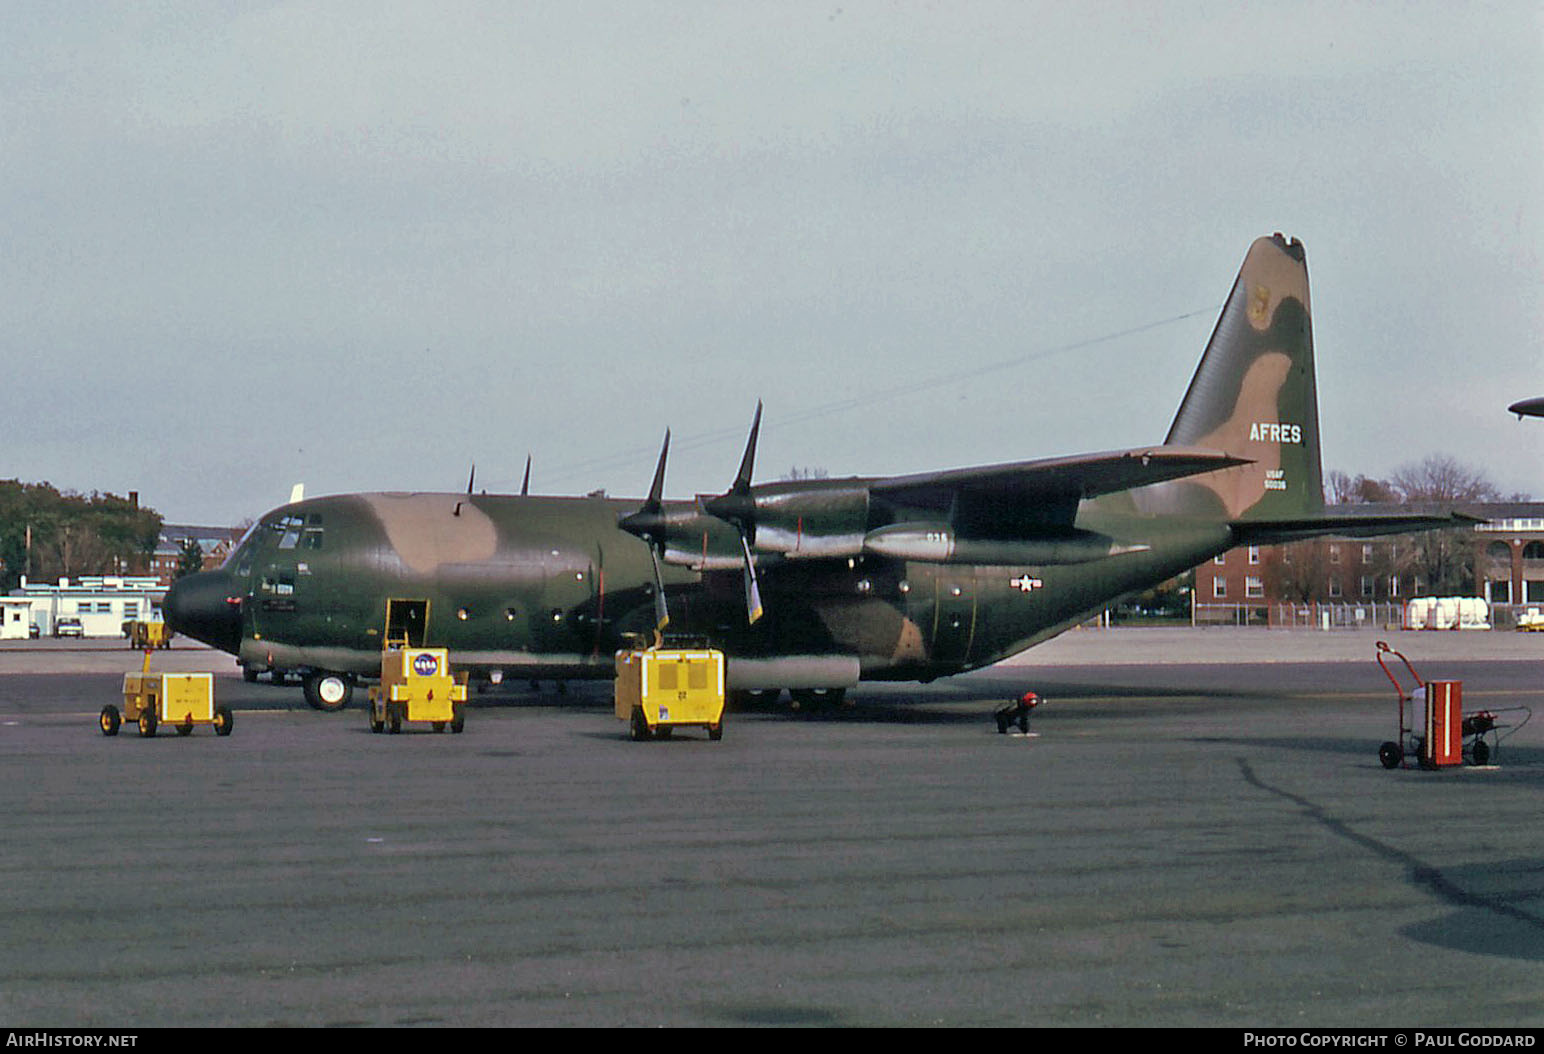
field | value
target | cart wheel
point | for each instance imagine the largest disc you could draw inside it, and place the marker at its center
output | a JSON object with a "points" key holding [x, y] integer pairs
{"points": [[1390, 755], [185, 728], [393, 719], [716, 732], [639, 728], [438, 726], [224, 721], [664, 732], [109, 720], [1481, 752], [147, 721], [457, 719], [377, 725]]}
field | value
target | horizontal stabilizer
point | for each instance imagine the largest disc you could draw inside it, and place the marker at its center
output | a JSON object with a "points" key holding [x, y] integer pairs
{"points": [[1270, 532]]}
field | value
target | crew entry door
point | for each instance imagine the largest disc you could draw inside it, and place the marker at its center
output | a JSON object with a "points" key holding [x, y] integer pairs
{"points": [[406, 622]]}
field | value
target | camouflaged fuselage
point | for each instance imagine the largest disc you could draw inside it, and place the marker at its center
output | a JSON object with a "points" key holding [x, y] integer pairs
{"points": [[547, 587]]}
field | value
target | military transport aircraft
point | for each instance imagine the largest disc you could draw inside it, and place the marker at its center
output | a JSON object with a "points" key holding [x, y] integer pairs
{"points": [[810, 585]]}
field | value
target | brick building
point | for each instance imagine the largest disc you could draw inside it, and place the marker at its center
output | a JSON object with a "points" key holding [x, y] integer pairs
{"points": [[215, 543], [1503, 558]]}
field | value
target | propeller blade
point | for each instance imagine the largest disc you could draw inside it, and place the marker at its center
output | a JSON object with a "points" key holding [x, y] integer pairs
{"points": [[657, 488], [738, 506], [648, 521], [470, 478], [742, 479], [661, 608], [525, 484], [753, 608]]}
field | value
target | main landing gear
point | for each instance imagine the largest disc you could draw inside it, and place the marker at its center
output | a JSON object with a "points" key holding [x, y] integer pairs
{"points": [[328, 692]]}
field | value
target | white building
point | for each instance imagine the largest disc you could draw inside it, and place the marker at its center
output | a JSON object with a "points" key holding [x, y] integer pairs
{"points": [[15, 618], [102, 603]]}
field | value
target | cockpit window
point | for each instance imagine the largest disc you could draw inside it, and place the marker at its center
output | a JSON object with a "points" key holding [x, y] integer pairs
{"points": [[288, 529], [240, 558]]}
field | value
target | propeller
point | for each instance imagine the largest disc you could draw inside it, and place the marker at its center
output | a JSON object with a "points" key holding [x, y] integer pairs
{"points": [[649, 524], [525, 484], [737, 506]]}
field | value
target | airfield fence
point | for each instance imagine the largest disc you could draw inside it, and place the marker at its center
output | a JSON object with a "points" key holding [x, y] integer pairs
{"points": [[1381, 615], [1378, 615]]}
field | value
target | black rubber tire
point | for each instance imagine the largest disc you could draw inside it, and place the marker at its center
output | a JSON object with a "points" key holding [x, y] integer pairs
{"points": [[817, 698], [224, 721], [328, 692], [1390, 754], [109, 721], [638, 728], [1481, 752], [147, 722]]}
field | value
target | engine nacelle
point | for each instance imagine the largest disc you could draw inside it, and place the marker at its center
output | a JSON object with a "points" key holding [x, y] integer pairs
{"points": [[810, 519], [937, 543]]}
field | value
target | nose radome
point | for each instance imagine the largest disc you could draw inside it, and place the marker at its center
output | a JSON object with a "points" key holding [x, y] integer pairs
{"points": [[207, 607]]}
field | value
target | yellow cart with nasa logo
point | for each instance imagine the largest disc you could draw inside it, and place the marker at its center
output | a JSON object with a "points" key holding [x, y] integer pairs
{"points": [[417, 685], [181, 700], [663, 688]]}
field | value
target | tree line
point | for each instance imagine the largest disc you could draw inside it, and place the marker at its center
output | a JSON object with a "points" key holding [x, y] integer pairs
{"points": [[48, 534]]}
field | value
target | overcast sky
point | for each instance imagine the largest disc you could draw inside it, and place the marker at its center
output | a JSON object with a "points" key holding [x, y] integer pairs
{"points": [[363, 245]]}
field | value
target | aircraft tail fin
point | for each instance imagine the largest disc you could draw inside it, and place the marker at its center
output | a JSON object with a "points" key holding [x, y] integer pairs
{"points": [[1253, 396]]}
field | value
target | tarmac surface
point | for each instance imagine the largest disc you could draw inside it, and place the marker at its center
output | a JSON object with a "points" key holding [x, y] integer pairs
{"points": [[1199, 833]]}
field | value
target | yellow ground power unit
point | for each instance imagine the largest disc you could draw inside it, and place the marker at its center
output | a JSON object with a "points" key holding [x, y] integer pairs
{"points": [[181, 700], [664, 688], [417, 685], [144, 635]]}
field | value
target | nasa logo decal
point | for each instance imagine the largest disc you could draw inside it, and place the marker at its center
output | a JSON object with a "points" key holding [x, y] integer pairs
{"points": [[425, 664]]}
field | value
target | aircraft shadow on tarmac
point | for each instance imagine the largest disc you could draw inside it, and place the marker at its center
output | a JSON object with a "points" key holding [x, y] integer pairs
{"points": [[1498, 908], [1497, 903], [941, 703], [1511, 764]]}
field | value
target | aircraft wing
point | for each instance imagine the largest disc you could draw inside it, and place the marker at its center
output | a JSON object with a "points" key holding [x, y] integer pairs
{"points": [[1030, 496], [1086, 475]]}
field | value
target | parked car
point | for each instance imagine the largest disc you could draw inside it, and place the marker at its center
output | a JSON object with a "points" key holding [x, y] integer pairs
{"points": [[69, 626]]}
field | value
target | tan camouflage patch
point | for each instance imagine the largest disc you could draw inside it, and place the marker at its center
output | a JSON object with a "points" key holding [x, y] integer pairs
{"points": [[426, 532], [1241, 487], [908, 644]]}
